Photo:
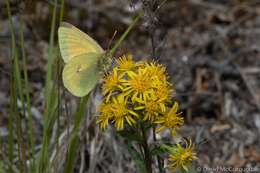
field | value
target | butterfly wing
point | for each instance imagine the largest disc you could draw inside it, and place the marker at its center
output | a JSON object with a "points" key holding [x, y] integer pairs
{"points": [[81, 74], [74, 42]]}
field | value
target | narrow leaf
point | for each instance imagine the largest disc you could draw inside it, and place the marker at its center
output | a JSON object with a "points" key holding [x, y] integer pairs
{"points": [[137, 158]]}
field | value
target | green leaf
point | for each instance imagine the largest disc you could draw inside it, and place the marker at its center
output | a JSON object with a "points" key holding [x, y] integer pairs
{"points": [[74, 141], [130, 135], [137, 158], [71, 155], [147, 126], [185, 168], [162, 149], [157, 151]]}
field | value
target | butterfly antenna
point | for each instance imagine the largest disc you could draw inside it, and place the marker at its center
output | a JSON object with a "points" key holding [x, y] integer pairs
{"points": [[111, 40]]}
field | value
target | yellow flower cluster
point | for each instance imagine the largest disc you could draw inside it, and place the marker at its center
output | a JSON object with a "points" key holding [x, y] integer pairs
{"points": [[182, 156], [138, 91]]}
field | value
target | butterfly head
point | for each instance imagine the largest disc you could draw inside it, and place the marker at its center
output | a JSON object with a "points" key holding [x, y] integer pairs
{"points": [[105, 62]]}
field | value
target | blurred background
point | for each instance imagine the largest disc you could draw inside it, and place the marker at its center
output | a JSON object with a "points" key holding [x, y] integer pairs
{"points": [[211, 49]]}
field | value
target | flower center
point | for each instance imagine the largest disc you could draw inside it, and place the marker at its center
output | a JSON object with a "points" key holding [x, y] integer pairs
{"points": [[151, 106], [185, 156], [120, 110], [171, 120], [140, 84]]}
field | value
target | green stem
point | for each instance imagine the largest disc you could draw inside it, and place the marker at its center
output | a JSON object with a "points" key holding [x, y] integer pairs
{"points": [[147, 154], [27, 97], [10, 126], [61, 10], [16, 82], [74, 141], [59, 86], [13, 100], [50, 64], [118, 43], [50, 115], [20, 143], [159, 160]]}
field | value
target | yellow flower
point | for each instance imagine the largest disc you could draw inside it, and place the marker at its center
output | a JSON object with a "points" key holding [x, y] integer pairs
{"points": [[171, 120], [156, 71], [121, 112], [181, 157], [158, 78], [163, 92], [106, 114], [151, 108], [112, 82], [138, 85], [126, 62]]}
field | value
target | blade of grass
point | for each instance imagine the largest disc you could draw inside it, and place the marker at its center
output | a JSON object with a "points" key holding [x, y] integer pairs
{"points": [[43, 164], [62, 10], [10, 127], [19, 142], [19, 130], [28, 99], [16, 82], [59, 85], [48, 82], [59, 108], [71, 155], [50, 101]]}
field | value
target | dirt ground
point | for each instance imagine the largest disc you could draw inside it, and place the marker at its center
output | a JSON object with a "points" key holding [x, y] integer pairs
{"points": [[211, 49]]}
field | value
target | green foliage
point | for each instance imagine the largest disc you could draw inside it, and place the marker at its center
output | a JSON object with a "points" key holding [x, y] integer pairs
{"points": [[51, 97], [162, 149], [73, 145], [14, 116], [72, 151], [19, 92], [137, 158], [131, 135]]}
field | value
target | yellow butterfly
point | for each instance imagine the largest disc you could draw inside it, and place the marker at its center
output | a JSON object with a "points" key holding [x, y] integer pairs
{"points": [[82, 56]]}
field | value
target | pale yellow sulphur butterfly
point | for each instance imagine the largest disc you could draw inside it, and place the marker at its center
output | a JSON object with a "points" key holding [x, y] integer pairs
{"points": [[82, 55], [84, 58]]}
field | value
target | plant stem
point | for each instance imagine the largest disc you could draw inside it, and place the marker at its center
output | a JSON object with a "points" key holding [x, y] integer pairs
{"points": [[13, 101], [74, 141], [118, 43], [51, 104], [159, 160], [27, 97], [147, 154], [58, 73], [49, 76], [16, 83]]}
